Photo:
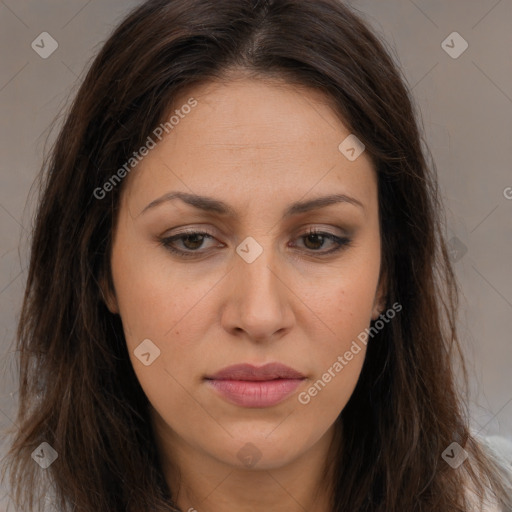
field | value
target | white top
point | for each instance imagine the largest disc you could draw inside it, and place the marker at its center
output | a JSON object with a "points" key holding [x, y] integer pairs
{"points": [[500, 450]]}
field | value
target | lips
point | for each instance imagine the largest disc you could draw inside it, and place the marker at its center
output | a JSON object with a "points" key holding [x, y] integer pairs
{"points": [[270, 371], [249, 386]]}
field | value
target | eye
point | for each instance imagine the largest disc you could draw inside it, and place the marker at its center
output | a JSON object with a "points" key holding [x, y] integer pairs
{"points": [[192, 241], [314, 240]]}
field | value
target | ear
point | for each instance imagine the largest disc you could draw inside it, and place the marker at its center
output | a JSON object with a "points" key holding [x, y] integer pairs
{"points": [[107, 293], [381, 296]]}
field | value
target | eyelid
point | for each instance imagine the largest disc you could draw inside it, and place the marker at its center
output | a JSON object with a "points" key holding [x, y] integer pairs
{"points": [[191, 231]]}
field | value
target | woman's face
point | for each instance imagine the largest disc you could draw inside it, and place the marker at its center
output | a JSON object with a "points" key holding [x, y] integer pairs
{"points": [[257, 289]]}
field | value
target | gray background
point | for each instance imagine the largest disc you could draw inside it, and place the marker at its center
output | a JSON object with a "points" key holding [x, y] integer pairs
{"points": [[466, 108]]}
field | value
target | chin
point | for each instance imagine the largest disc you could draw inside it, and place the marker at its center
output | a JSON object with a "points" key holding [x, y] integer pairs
{"points": [[262, 449]]}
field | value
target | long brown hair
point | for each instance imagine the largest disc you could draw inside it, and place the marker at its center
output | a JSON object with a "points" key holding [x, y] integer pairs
{"points": [[78, 391]]}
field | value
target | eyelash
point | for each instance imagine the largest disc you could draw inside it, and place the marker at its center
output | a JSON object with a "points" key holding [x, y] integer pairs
{"points": [[341, 242]]}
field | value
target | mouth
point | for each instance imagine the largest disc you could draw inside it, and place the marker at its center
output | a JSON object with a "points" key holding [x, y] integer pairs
{"points": [[249, 386]]}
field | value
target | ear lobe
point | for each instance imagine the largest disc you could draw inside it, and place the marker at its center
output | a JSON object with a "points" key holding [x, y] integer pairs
{"points": [[107, 294]]}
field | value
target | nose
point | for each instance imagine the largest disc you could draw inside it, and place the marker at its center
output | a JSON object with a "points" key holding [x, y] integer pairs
{"points": [[258, 299]]}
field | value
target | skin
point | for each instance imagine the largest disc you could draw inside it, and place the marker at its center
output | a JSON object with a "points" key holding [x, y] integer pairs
{"points": [[258, 145]]}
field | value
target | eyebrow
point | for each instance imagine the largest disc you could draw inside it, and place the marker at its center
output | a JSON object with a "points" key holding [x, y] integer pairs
{"points": [[212, 205]]}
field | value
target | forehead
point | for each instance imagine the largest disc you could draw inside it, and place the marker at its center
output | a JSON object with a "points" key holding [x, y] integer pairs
{"points": [[252, 136], [259, 113]]}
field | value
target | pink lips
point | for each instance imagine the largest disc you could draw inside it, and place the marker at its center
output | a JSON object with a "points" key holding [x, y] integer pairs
{"points": [[249, 386]]}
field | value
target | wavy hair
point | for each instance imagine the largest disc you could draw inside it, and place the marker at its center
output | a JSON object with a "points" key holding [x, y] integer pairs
{"points": [[77, 388]]}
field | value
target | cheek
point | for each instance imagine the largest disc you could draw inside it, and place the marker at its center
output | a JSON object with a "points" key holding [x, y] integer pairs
{"points": [[340, 351], [323, 399], [157, 302], [159, 313], [345, 311], [346, 303], [156, 298]]}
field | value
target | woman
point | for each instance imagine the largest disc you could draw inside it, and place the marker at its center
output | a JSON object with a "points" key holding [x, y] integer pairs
{"points": [[239, 296]]}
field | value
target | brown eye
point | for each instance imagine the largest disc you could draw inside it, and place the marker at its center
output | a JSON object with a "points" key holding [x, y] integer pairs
{"points": [[191, 241], [315, 240], [194, 240]]}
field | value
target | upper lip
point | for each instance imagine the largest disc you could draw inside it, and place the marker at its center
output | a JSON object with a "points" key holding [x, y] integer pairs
{"points": [[249, 372]]}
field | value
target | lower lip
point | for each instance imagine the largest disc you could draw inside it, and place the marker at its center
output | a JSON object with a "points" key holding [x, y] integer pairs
{"points": [[247, 393]]}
